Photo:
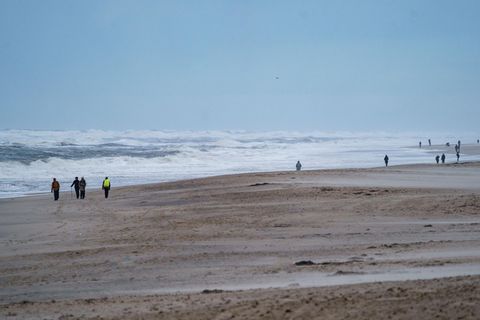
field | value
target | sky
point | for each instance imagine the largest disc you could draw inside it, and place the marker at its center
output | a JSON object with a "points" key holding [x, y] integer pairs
{"points": [[240, 65]]}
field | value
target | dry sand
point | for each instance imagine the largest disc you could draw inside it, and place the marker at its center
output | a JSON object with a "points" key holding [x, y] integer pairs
{"points": [[400, 242]]}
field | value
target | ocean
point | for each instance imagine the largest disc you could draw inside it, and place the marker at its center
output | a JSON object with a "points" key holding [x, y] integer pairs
{"points": [[30, 159]]}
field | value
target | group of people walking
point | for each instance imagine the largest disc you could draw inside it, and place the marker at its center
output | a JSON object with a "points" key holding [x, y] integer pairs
{"points": [[437, 158], [79, 187]]}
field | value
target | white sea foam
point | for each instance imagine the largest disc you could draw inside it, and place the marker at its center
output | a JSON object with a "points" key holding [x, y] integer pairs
{"points": [[29, 159]]}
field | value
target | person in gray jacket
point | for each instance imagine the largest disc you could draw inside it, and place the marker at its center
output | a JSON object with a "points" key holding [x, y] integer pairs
{"points": [[82, 184], [299, 165]]}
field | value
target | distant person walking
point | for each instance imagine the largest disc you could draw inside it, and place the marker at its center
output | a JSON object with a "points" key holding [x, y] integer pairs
{"points": [[298, 165], [437, 158], [478, 140], [386, 160], [82, 184], [76, 186], [443, 157], [420, 144], [429, 142], [106, 186], [55, 189]]}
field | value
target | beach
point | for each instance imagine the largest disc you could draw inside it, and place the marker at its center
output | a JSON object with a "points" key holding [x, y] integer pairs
{"points": [[214, 160], [400, 242]]}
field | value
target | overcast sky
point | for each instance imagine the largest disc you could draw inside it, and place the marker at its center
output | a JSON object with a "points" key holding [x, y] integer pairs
{"points": [[239, 64]]}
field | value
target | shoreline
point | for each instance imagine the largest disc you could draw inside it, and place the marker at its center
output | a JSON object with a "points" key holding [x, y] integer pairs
{"points": [[229, 233], [332, 170]]}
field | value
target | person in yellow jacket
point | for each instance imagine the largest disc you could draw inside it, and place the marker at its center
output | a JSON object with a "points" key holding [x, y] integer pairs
{"points": [[106, 186], [55, 189]]}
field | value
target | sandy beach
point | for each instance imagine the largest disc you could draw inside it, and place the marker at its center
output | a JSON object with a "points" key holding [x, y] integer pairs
{"points": [[267, 160], [400, 242]]}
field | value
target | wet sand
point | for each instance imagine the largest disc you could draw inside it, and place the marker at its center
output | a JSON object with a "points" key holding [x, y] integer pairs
{"points": [[399, 242]]}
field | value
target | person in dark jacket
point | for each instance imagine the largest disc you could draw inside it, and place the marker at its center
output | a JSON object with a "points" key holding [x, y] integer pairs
{"points": [[437, 158], [386, 160], [443, 157], [76, 185], [83, 185]]}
